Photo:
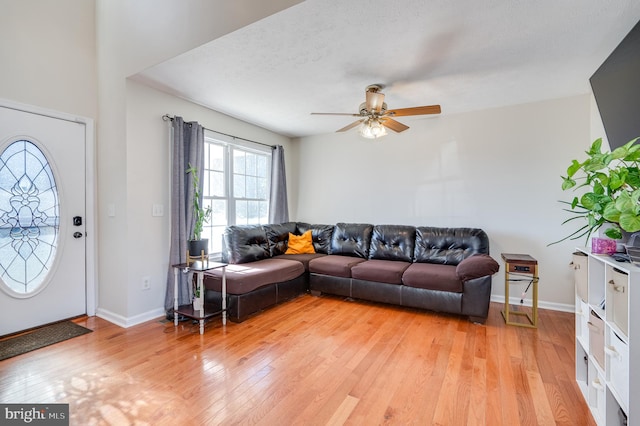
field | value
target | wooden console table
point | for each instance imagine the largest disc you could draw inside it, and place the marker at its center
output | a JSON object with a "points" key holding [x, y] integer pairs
{"points": [[199, 267], [520, 267]]}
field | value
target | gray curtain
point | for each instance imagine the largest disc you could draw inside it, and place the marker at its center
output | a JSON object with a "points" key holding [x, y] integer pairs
{"points": [[278, 205], [187, 148]]}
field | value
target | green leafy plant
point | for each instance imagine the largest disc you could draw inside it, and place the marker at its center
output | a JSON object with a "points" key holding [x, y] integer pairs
{"points": [[201, 214], [612, 180], [196, 290]]}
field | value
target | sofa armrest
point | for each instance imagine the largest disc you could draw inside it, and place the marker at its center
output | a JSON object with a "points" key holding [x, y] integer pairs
{"points": [[476, 299], [476, 266]]}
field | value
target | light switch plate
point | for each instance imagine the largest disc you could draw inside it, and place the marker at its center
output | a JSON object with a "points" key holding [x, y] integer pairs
{"points": [[157, 210]]}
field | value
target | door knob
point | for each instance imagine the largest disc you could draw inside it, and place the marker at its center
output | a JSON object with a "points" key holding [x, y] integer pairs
{"points": [[77, 235]]}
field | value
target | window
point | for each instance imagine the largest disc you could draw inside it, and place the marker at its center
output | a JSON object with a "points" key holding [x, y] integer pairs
{"points": [[235, 184], [29, 218]]}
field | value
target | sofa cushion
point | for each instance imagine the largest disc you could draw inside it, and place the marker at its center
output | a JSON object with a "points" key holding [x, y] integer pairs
{"points": [[243, 278], [337, 266], [320, 234], [245, 243], [302, 258], [476, 266], [300, 244], [278, 236], [393, 242], [351, 239], [382, 271], [449, 246], [432, 277]]}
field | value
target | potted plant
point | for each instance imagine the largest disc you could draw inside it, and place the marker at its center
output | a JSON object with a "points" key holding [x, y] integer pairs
{"points": [[198, 303], [612, 183], [197, 244]]}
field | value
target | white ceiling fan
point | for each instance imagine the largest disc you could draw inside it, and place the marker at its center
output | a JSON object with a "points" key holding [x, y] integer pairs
{"points": [[375, 118]]}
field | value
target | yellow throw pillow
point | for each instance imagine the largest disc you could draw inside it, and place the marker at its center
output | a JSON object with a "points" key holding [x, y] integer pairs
{"points": [[300, 244]]}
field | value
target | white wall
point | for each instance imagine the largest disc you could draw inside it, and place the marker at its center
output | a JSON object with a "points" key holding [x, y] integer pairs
{"points": [[496, 169], [130, 37], [48, 54], [148, 183]]}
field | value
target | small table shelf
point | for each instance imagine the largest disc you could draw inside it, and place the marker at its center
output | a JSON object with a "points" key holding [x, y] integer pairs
{"points": [[520, 267], [199, 267]]}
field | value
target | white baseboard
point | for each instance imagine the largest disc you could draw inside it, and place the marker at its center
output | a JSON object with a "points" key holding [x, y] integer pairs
{"points": [[127, 322], [562, 307]]}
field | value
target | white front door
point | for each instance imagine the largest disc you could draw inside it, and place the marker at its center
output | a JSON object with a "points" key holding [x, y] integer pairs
{"points": [[42, 220]]}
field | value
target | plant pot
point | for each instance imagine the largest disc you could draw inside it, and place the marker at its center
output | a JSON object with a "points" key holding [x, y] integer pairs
{"points": [[619, 243], [197, 304], [197, 247]]}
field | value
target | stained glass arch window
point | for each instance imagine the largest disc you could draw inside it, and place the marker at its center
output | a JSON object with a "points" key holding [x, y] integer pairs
{"points": [[29, 219]]}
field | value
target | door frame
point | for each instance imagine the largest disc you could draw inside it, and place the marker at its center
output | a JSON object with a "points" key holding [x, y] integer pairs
{"points": [[91, 277]]}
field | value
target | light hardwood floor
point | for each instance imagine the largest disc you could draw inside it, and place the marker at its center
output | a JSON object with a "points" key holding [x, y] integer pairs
{"points": [[310, 361]]}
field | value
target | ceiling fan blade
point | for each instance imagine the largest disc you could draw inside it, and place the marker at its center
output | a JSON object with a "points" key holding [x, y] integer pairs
{"points": [[374, 101], [394, 125], [350, 126], [335, 113], [421, 110]]}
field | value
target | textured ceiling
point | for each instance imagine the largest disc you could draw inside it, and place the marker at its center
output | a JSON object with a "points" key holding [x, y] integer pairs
{"points": [[465, 55]]}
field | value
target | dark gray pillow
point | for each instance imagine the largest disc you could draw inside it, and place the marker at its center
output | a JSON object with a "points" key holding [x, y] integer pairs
{"points": [[278, 236], [393, 242], [351, 239], [245, 243], [320, 234]]}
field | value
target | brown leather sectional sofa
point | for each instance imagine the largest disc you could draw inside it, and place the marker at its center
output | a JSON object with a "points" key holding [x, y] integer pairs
{"points": [[438, 269]]}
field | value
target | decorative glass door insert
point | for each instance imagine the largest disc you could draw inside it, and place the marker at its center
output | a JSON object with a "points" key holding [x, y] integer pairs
{"points": [[29, 219]]}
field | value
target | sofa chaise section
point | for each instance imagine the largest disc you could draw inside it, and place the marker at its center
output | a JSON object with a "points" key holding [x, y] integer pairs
{"points": [[259, 274], [254, 286]]}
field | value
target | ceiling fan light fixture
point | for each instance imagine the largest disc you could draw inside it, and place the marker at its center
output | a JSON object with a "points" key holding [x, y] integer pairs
{"points": [[374, 118], [372, 128]]}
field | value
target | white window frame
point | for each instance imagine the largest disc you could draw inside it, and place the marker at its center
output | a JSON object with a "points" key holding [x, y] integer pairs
{"points": [[230, 144]]}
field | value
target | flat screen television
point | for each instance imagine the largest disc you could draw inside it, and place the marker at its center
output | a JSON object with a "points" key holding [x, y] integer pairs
{"points": [[616, 87]]}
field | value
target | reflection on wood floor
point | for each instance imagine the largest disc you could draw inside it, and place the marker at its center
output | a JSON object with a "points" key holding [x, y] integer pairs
{"points": [[313, 360]]}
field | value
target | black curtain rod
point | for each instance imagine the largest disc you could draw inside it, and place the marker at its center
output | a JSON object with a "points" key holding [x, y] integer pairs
{"points": [[167, 117]]}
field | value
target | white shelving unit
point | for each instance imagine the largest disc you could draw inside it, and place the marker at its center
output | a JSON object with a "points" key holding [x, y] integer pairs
{"points": [[608, 337]]}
